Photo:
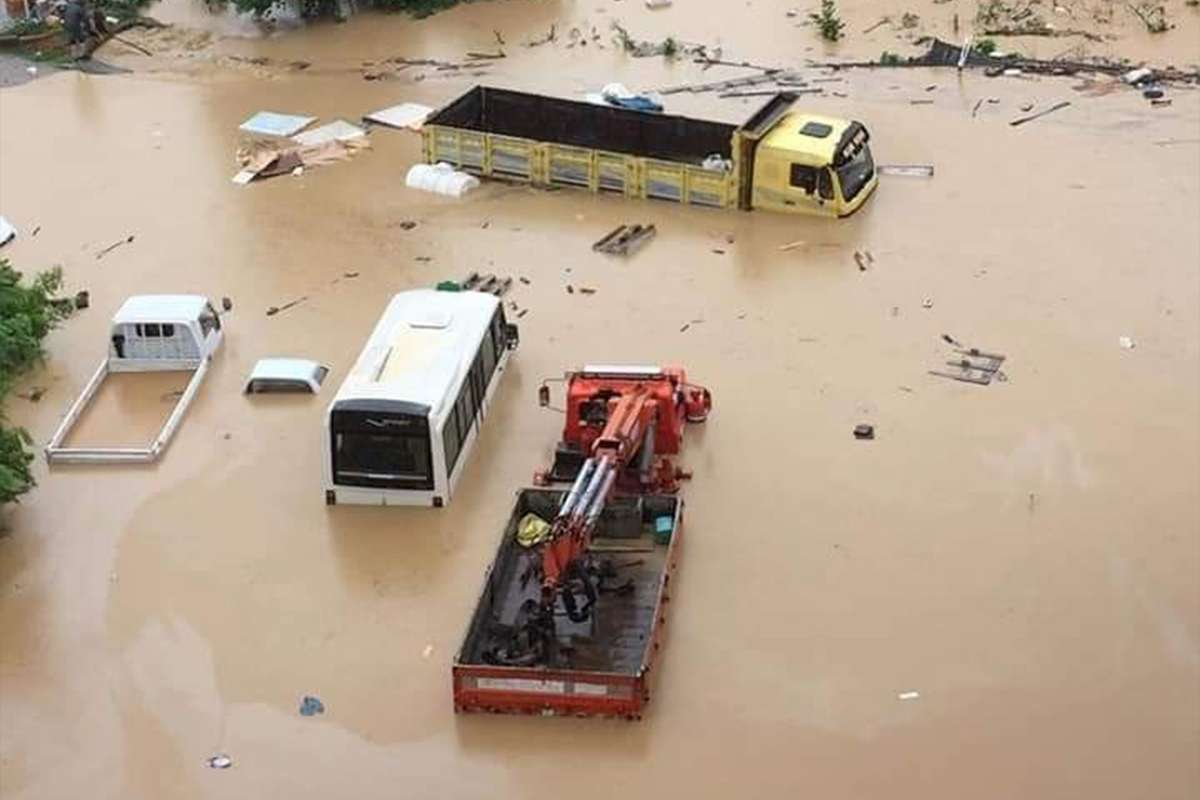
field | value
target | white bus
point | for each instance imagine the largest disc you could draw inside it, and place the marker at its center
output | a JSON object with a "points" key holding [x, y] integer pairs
{"points": [[403, 423]]}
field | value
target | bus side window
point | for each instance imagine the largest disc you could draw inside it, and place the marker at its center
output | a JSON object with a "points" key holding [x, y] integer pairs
{"points": [[478, 381], [451, 440], [825, 184], [465, 410], [803, 177], [498, 331], [490, 353]]}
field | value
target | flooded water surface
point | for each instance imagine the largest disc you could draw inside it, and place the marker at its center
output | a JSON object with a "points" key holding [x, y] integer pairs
{"points": [[998, 596]]}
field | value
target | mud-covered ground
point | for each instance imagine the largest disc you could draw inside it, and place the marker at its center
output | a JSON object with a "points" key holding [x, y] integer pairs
{"points": [[1024, 556]]}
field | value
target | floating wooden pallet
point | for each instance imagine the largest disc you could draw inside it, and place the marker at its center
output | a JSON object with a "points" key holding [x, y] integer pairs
{"points": [[625, 239], [975, 366]]}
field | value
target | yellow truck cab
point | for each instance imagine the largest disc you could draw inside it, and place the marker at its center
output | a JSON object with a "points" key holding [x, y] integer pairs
{"points": [[813, 164], [778, 159]]}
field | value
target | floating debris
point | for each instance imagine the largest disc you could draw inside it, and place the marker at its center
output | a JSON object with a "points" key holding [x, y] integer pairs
{"points": [[311, 706], [625, 240], [127, 240], [1042, 113], [907, 170], [974, 366]]}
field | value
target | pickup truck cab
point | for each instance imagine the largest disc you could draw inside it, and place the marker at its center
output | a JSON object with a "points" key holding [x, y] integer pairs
{"points": [[161, 332]]}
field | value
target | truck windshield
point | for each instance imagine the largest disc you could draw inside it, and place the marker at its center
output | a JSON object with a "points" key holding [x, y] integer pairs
{"points": [[381, 452], [856, 173]]}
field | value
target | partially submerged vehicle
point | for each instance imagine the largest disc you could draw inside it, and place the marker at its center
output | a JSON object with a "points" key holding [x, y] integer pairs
{"points": [[571, 615], [408, 414], [286, 376], [779, 160], [149, 333], [601, 666]]}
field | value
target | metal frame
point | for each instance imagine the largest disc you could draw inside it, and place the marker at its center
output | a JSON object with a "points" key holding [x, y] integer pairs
{"points": [[56, 453]]}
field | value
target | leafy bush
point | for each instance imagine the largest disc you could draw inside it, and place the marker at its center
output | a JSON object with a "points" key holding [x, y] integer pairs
{"points": [[829, 21], [123, 9], [418, 8], [27, 313], [26, 26], [329, 8], [985, 47], [15, 478]]}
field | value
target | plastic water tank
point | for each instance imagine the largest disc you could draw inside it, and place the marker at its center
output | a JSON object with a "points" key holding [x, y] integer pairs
{"points": [[441, 179]]}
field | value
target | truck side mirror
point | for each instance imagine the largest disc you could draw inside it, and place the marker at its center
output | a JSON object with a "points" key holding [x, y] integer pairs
{"points": [[543, 395]]}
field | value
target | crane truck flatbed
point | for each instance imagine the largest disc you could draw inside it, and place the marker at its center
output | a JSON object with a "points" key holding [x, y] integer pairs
{"points": [[603, 666], [779, 160], [571, 614]]}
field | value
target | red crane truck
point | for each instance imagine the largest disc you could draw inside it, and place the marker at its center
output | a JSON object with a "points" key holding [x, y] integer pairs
{"points": [[572, 609]]}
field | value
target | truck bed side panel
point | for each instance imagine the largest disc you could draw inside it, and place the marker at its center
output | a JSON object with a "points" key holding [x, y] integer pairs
{"points": [[586, 125]]}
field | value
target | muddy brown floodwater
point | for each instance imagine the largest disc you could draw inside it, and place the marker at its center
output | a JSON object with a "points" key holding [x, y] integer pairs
{"points": [[1025, 556]]}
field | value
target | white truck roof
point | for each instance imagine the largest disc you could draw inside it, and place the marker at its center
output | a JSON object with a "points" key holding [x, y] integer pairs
{"points": [[161, 308]]}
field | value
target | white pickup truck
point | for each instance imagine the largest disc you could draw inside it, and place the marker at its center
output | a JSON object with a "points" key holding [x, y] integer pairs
{"points": [[150, 333]]}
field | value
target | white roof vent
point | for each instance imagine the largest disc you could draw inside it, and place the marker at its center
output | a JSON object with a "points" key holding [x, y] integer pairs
{"points": [[429, 319]]}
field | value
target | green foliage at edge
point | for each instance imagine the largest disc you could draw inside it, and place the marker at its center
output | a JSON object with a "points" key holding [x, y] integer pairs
{"points": [[27, 313]]}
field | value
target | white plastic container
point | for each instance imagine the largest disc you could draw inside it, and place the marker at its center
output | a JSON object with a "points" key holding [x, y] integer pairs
{"points": [[440, 179]]}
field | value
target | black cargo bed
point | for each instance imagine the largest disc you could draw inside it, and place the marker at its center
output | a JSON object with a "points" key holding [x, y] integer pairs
{"points": [[615, 639], [581, 124]]}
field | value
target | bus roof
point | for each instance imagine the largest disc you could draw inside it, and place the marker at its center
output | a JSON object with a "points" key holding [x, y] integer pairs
{"points": [[423, 342]]}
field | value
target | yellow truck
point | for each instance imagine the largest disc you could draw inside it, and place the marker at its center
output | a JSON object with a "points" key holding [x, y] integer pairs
{"points": [[779, 159]]}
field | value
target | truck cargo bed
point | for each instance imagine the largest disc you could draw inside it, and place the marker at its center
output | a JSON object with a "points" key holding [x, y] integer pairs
{"points": [[603, 665], [587, 125]]}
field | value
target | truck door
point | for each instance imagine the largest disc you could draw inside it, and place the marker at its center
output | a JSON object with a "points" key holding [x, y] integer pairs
{"points": [[809, 188], [210, 329]]}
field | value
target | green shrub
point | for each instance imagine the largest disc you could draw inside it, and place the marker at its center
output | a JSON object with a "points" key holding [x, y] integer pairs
{"points": [[828, 21], [985, 47], [27, 313], [15, 478]]}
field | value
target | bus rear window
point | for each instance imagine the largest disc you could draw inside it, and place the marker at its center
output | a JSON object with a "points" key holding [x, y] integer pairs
{"points": [[385, 452]]}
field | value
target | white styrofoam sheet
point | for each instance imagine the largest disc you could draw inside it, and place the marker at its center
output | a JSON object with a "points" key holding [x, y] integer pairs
{"points": [[269, 123], [405, 115], [336, 131]]}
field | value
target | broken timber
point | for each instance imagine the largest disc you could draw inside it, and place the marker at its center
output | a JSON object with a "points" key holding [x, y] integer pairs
{"points": [[769, 76], [974, 366], [946, 54], [625, 239]]}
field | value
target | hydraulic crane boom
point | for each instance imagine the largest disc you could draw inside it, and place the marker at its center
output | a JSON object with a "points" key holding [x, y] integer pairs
{"points": [[630, 418], [636, 408]]}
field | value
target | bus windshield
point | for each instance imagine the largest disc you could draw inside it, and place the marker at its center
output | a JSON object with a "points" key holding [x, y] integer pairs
{"points": [[381, 451]]}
